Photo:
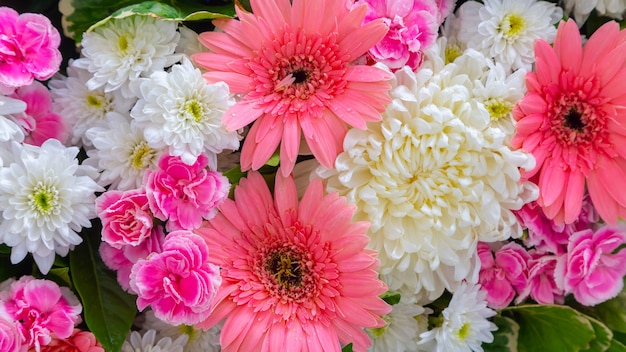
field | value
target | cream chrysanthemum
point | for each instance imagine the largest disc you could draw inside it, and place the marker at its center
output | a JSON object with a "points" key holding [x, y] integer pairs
{"points": [[121, 152], [179, 110], [80, 107], [198, 339], [148, 342], [47, 198], [432, 178], [125, 49], [465, 325], [506, 30]]}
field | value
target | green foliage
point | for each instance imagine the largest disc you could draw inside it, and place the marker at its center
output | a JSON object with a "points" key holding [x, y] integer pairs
{"points": [[347, 348], [89, 14], [391, 298], [108, 310], [505, 338]]}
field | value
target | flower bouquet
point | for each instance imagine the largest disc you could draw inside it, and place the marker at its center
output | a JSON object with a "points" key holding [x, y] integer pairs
{"points": [[267, 175]]}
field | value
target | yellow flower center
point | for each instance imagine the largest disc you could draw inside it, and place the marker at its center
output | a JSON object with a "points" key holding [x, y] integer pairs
{"points": [[194, 109], [498, 108], [94, 101], [122, 42], [44, 199], [512, 25], [452, 52], [464, 331], [141, 155], [285, 268]]}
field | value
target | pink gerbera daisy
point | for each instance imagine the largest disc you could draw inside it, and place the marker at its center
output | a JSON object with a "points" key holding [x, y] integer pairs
{"points": [[292, 62], [573, 120], [294, 277]]}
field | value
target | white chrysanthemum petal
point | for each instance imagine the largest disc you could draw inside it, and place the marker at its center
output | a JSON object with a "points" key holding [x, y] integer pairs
{"points": [[465, 323], [404, 325], [506, 30], [148, 342], [80, 107], [183, 112], [46, 197], [433, 178], [121, 152], [124, 49], [197, 339]]}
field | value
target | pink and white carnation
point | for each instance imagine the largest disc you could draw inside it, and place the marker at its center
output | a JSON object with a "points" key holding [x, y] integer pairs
{"points": [[592, 269], [39, 122], [542, 287], [184, 194], [126, 217], [80, 341], [413, 27], [178, 283], [11, 340], [503, 273], [41, 308], [122, 259], [28, 49]]}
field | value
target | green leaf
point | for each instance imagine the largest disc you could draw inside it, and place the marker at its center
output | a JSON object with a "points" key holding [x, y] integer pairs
{"points": [[234, 175], [616, 346], [109, 311], [274, 160], [347, 348], [84, 15], [61, 276], [603, 336], [505, 338], [554, 328], [391, 297], [612, 312]]}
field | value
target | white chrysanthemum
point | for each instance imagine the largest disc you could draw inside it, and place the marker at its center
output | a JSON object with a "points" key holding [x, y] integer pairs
{"points": [[125, 49], [80, 107], [506, 30], [402, 330], [198, 339], [189, 43], [465, 323], [499, 91], [121, 152], [135, 342], [47, 198], [432, 178], [183, 112], [9, 130], [611, 8]]}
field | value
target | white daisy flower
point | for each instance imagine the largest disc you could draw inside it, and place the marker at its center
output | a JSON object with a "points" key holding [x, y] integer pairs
{"points": [[402, 330], [121, 152], [499, 91], [197, 339], [611, 8], [181, 111], [47, 198], [432, 178], [125, 49], [189, 43], [9, 130], [465, 323], [136, 342], [83, 108], [506, 30]]}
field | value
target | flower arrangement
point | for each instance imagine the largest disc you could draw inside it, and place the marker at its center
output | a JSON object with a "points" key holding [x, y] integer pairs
{"points": [[357, 175]]}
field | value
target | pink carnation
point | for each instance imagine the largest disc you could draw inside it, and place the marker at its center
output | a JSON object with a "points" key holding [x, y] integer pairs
{"points": [[502, 274], [185, 194], [542, 286], [591, 270], [42, 308], [11, 340], [178, 283], [413, 27], [80, 341], [122, 259], [126, 217], [38, 121], [28, 49]]}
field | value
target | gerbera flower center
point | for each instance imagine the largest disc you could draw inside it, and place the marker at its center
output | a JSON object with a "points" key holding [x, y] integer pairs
{"points": [[141, 155], [285, 268], [44, 199], [498, 108], [512, 26], [298, 72], [575, 121]]}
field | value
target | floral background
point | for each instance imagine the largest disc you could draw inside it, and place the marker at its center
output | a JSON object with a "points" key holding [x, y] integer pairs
{"points": [[371, 175]]}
